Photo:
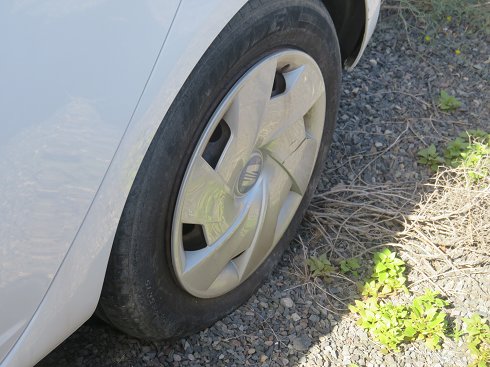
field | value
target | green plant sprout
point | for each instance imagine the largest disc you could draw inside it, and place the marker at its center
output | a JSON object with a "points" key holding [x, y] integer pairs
{"points": [[320, 266], [428, 320], [447, 102], [477, 330], [429, 157], [392, 324], [388, 275], [350, 266], [424, 319], [468, 150]]}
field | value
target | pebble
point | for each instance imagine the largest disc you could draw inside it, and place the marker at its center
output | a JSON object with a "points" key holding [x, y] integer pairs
{"points": [[287, 302], [301, 343], [314, 319]]}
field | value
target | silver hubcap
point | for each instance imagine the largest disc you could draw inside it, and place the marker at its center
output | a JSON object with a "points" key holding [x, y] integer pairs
{"points": [[248, 174]]}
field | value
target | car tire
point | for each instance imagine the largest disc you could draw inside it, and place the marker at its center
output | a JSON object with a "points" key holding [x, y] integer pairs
{"points": [[143, 294]]}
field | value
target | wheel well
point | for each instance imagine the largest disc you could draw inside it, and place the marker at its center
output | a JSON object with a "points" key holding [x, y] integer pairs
{"points": [[349, 17]]}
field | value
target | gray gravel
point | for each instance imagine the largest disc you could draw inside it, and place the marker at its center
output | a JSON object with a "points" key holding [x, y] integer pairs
{"points": [[387, 106]]}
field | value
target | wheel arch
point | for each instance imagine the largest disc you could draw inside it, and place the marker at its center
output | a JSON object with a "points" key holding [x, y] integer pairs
{"points": [[354, 21]]}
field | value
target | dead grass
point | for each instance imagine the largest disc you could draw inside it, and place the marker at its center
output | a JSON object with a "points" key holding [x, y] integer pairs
{"points": [[452, 219], [442, 228], [431, 14]]}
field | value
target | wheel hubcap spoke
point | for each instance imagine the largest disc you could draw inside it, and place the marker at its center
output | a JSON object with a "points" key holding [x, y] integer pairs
{"points": [[203, 266], [247, 189], [300, 164], [276, 186], [296, 151], [208, 201], [304, 88], [244, 118], [287, 142]]}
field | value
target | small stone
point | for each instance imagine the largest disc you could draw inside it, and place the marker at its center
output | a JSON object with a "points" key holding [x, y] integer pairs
{"points": [[251, 351], [314, 319], [177, 358], [373, 62], [390, 361], [345, 350], [269, 343], [287, 302], [263, 358], [378, 144], [295, 317], [301, 343]]}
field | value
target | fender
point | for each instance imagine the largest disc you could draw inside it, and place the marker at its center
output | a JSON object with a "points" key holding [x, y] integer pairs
{"points": [[372, 9]]}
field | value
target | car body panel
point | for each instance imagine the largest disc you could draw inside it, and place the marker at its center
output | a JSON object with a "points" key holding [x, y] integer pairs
{"points": [[75, 285], [80, 68]]}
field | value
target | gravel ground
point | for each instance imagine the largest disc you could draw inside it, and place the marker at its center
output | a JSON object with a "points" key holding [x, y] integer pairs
{"points": [[388, 113]]}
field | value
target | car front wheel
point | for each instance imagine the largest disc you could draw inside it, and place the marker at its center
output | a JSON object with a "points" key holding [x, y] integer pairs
{"points": [[229, 174]]}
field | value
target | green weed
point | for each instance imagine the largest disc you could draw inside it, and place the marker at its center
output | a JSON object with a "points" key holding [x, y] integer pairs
{"points": [[469, 150], [427, 319], [447, 102], [320, 266], [350, 266], [393, 324], [429, 157], [388, 275], [478, 339], [384, 321]]}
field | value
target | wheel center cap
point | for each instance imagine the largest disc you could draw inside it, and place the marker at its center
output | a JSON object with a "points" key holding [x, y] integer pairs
{"points": [[250, 173]]}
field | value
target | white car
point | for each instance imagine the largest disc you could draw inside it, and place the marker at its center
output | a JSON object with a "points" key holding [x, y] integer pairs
{"points": [[157, 156]]}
